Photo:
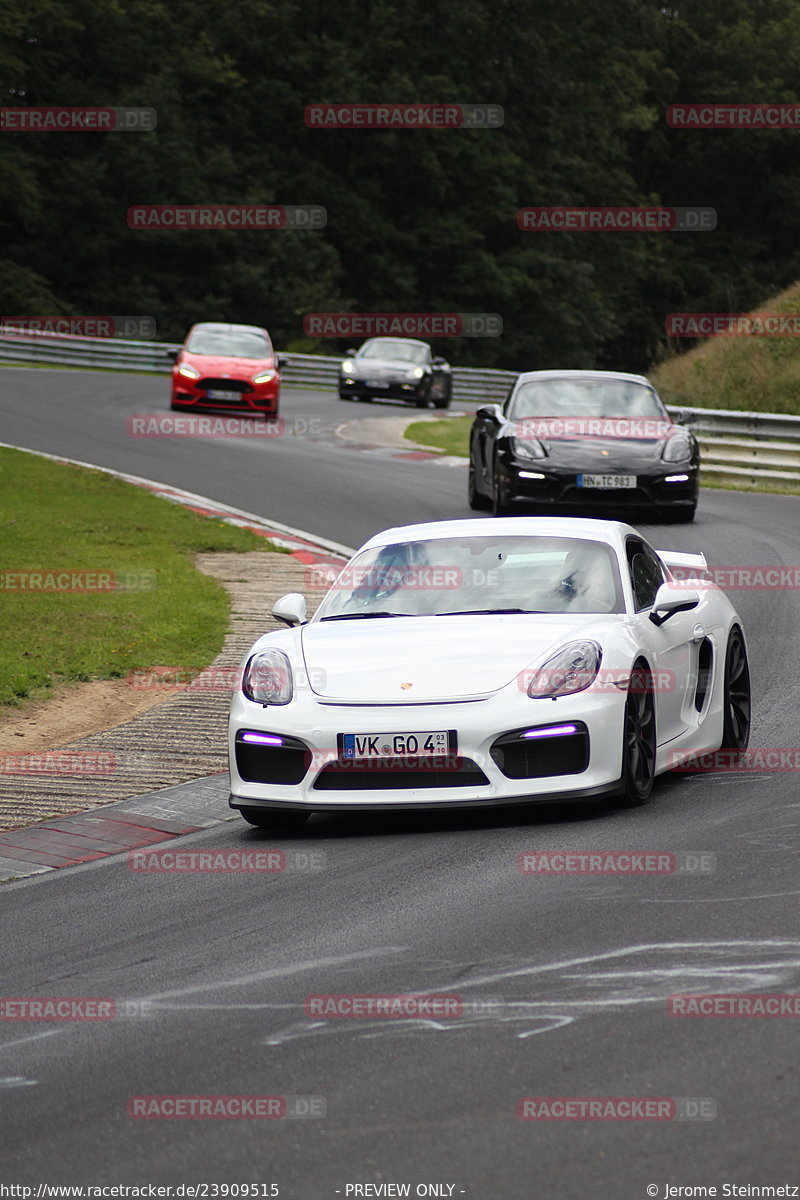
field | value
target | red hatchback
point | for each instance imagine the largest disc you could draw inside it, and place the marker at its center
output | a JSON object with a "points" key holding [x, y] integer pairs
{"points": [[226, 367]]}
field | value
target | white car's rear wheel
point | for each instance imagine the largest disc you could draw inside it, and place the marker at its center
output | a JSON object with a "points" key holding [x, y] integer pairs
{"points": [[736, 698]]}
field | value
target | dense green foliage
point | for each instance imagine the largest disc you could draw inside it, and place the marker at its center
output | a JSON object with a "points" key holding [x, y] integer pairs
{"points": [[417, 220]]}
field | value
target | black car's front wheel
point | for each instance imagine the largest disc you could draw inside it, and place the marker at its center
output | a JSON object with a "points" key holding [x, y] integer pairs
{"points": [[736, 697], [638, 739], [500, 502], [476, 499]]}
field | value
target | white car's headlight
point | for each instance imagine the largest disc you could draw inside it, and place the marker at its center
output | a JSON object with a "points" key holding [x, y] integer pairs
{"points": [[268, 678], [417, 373], [347, 367], [189, 371], [677, 449], [528, 448], [572, 669], [264, 377]]}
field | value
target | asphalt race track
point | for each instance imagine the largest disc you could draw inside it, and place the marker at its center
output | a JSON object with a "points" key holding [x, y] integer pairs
{"points": [[564, 980]]}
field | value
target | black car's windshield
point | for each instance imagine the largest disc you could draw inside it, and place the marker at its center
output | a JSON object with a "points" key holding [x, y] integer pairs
{"points": [[395, 351], [224, 343], [481, 575], [591, 398]]}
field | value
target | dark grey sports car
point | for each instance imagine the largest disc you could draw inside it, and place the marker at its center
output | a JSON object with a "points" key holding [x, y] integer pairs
{"points": [[568, 441], [398, 368]]}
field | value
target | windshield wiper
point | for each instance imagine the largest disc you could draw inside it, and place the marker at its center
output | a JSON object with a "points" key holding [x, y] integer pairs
{"points": [[364, 616], [468, 612]]}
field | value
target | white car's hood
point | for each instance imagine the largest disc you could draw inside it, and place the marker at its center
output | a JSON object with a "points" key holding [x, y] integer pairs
{"points": [[412, 660]]}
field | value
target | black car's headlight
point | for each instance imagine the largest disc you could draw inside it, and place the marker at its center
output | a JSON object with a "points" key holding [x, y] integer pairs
{"points": [[528, 448], [267, 678], [571, 669], [677, 448]]}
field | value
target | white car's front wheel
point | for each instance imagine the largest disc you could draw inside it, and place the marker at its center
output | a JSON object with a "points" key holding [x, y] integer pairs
{"points": [[639, 739]]}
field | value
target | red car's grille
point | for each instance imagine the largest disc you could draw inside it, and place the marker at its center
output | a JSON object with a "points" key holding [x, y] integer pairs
{"points": [[224, 385]]}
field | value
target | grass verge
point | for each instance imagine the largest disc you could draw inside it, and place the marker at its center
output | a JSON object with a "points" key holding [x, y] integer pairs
{"points": [[155, 607], [451, 436], [754, 373]]}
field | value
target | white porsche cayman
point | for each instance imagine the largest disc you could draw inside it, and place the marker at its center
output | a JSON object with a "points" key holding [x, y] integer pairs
{"points": [[489, 662]]}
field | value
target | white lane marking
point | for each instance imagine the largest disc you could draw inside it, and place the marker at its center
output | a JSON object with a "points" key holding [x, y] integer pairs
{"points": [[637, 986], [11, 1081], [274, 973], [33, 1037]]}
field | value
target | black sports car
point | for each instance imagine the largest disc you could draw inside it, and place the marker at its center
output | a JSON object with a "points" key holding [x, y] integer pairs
{"points": [[399, 368], [567, 441]]}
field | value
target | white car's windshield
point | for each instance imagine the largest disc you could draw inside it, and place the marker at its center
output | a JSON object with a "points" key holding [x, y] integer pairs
{"points": [[395, 351], [453, 576], [585, 398]]}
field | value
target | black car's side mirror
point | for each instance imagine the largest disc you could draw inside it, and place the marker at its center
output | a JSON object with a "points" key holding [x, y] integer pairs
{"points": [[492, 412], [350, 353], [172, 355], [439, 362], [280, 362]]}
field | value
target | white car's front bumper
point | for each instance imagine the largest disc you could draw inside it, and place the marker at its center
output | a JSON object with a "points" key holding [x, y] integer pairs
{"points": [[477, 725]]}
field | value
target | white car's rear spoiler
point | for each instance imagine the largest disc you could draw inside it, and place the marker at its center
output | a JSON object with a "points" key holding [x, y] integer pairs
{"points": [[686, 566]]}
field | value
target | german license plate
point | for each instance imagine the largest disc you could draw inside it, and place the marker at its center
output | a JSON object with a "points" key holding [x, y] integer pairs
{"points": [[427, 744], [607, 481], [215, 395], [377, 383]]}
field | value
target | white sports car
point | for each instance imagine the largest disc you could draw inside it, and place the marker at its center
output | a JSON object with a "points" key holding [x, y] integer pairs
{"points": [[489, 662]]}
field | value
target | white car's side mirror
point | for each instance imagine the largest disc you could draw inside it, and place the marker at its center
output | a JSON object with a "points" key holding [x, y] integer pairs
{"points": [[670, 600], [291, 609]]}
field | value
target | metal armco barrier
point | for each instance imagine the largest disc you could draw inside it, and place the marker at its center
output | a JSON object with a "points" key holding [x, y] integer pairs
{"points": [[741, 449]]}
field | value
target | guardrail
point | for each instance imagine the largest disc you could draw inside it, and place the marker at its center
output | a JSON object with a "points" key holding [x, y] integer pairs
{"points": [[743, 449], [301, 370]]}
